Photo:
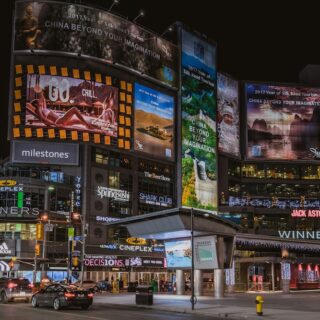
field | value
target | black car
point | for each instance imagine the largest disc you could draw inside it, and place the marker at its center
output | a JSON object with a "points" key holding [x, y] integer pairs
{"points": [[59, 296], [15, 289]]}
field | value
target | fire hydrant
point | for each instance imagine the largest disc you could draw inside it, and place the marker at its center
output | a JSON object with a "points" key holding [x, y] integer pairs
{"points": [[259, 302]]}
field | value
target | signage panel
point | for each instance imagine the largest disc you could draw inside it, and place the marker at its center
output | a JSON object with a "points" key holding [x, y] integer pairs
{"points": [[43, 152]]}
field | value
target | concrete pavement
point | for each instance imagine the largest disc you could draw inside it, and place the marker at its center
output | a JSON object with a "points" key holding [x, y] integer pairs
{"points": [[277, 306]]}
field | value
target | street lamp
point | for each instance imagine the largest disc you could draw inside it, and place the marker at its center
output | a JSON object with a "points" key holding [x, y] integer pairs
{"points": [[77, 216], [141, 14], [193, 298]]}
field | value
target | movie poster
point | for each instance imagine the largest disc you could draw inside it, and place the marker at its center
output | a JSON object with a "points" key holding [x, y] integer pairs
{"points": [[283, 122], [228, 115], [199, 137], [154, 122], [71, 104], [77, 29]]}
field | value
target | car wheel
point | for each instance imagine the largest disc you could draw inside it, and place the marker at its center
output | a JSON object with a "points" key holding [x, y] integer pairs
{"points": [[34, 302], [4, 298], [56, 304], [85, 306]]}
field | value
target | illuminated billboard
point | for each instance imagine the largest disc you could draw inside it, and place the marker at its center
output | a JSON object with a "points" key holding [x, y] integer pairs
{"points": [[199, 176], [68, 103], [154, 123], [178, 254], [228, 115], [283, 122], [76, 29]]}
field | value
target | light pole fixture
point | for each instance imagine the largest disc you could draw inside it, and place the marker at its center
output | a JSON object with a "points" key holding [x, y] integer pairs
{"points": [[141, 14], [193, 298], [114, 3], [169, 29]]}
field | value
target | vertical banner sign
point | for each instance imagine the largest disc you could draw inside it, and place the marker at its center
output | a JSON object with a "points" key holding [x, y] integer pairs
{"points": [[20, 199], [199, 136]]}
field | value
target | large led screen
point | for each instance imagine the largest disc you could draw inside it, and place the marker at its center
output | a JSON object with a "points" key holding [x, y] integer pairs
{"points": [[76, 29], [72, 104], [154, 126], [228, 115], [283, 122], [199, 137], [178, 254]]}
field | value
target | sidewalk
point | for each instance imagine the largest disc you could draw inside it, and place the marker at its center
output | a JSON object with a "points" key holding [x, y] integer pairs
{"points": [[277, 306]]}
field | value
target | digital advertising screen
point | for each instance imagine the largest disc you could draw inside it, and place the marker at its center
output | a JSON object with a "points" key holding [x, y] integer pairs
{"points": [[199, 136], [283, 122], [178, 254], [154, 122], [228, 115], [90, 32], [73, 104]]}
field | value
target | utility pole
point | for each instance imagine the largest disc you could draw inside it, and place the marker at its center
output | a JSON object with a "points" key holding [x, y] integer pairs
{"points": [[192, 261]]}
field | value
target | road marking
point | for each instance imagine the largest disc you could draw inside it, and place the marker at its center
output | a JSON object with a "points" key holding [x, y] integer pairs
{"points": [[57, 312]]}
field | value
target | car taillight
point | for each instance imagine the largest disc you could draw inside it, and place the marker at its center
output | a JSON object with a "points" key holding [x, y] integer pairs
{"points": [[90, 295], [30, 285], [12, 285], [69, 295]]}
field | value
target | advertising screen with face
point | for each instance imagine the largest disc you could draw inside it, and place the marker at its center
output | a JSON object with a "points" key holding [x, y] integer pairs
{"points": [[228, 115], [283, 122], [72, 104], [199, 136], [154, 125]]}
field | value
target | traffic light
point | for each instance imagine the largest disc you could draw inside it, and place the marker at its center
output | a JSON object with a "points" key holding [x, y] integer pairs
{"points": [[39, 231], [37, 249]]}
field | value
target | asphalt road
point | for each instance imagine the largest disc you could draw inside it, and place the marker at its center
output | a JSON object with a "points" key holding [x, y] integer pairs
{"points": [[24, 311]]}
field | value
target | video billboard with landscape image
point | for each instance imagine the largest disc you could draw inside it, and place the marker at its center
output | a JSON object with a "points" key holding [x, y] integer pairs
{"points": [[154, 125], [178, 254], [72, 104], [283, 122], [228, 115], [199, 136]]}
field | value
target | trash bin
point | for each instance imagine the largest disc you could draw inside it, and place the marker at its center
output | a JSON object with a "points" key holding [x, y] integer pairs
{"points": [[144, 295]]}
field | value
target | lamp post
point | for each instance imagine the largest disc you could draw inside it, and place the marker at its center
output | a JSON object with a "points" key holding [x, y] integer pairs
{"points": [[192, 262]]}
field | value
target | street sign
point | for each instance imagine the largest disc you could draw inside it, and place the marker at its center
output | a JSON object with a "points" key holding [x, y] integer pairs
{"points": [[70, 233], [48, 227]]}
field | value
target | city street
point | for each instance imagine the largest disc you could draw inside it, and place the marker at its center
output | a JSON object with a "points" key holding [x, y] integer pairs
{"points": [[21, 311]]}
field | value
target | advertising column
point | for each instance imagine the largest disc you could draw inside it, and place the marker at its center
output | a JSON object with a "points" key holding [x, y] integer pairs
{"points": [[198, 136]]}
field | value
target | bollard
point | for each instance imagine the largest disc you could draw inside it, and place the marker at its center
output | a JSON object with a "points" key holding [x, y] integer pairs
{"points": [[259, 302]]}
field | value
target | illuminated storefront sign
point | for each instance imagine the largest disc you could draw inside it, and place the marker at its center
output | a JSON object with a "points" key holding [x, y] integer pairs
{"points": [[152, 175], [15, 211], [299, 234], [77, 191], [106, 219], [4, 249], [149, 198], [12, 188], [131, 248], [305, 213], [7, 183], [116, 194], [278, 203], [122, 262], [136, 241]]}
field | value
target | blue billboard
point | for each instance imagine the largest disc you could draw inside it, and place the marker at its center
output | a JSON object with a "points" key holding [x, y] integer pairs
{"points": [[154, 122], [178, 254]]}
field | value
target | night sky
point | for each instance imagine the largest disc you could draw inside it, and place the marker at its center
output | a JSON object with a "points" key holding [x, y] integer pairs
{"points": [[257, 40]]}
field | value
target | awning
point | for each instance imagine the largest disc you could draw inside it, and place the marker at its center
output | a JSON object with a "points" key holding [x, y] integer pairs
{"points": [[4, 266], [176, 223]]}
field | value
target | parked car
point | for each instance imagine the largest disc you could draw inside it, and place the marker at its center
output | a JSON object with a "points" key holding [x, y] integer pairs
{"points": [[59, 296], [90, 285], [15, 289]]}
